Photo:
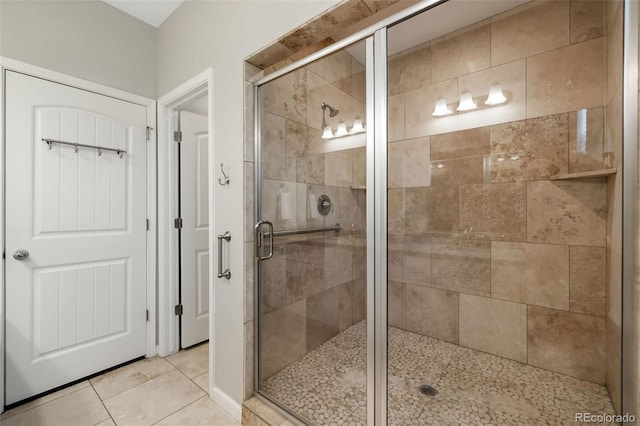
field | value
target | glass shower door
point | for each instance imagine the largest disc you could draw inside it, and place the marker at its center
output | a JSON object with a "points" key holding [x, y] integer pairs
{"points": [[499, 224], [311, 239]]}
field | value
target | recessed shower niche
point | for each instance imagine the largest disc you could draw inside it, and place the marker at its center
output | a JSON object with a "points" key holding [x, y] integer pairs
{"points": [[473, 239]]}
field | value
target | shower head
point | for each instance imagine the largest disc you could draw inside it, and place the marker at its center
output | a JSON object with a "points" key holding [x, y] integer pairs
{"points": [[332, 111]]}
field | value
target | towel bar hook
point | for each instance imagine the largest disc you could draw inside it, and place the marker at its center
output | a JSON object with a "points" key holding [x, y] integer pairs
{"points": [[76, 146]]}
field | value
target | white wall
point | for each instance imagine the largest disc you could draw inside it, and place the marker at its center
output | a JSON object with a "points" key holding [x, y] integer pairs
{"points": [[87, 39], [221, 34]]}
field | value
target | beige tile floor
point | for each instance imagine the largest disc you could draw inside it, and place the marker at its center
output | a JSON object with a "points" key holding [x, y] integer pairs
{"points": [[168, 391]]}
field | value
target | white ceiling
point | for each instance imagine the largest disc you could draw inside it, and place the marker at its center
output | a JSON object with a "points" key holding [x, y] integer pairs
{"points": [[153, 12]]}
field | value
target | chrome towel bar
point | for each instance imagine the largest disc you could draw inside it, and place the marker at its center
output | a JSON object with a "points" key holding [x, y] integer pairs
{"points": [[51, 142], [284, 233]]}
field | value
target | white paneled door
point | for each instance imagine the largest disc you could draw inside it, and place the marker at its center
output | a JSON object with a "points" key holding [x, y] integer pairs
{"points": [[76, 304], [194, 209]]}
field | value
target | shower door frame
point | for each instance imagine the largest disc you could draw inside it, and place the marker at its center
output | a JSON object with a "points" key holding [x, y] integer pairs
{"points": [[629, 335], [376, 96]]}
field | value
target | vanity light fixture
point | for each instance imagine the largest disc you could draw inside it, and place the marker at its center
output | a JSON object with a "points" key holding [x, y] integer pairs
{"points": [[441, 108], [466, 102], [327, 133], [341, 130], [357, 126], [496, 97]]}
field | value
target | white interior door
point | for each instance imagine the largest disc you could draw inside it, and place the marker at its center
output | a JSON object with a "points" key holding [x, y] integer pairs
{"points": [[77, 304], [194, 210]]}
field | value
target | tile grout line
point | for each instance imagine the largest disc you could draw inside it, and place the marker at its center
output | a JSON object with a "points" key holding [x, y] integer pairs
{"points": [[103, 404], [163, 374], [192, 402], [191, 380], [183, 351], [4, 419], [206, 372], [180, 409], [138, 384]]}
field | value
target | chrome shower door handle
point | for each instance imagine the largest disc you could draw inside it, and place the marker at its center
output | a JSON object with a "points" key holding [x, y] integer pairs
{"points": [[227, 273], [259, 237]]}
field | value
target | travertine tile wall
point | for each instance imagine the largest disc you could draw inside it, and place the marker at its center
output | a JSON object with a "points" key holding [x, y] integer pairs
{"points": [[487, 250], [313, 287]]}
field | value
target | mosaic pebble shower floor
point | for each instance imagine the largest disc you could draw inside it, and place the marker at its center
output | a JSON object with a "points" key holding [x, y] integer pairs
{"points": [[327, 386]]}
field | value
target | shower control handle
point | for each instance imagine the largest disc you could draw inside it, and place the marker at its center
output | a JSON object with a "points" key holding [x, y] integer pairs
{"points": [[325, 205]]}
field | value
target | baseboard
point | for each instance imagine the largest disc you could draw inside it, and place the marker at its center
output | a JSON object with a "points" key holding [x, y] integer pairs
{"points": [[229, 404]]}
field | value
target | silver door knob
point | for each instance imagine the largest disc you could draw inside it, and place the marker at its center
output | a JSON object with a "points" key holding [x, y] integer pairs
{"points": [[20, 254]]}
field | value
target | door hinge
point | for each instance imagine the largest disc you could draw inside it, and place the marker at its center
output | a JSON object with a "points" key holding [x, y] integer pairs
{"points": [[147, 224], [178, 223], [149, 129], [178, 309], [147, 315], [177, 136]]}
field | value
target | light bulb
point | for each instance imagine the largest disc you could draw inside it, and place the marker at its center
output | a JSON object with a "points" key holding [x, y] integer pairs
{"points": [[357, 126], [496, 97], [327, 133], [342, 129], [466, 102], [441, 108]]}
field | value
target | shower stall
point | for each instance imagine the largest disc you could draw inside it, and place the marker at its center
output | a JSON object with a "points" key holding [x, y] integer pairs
{"points": [[438, 219]]}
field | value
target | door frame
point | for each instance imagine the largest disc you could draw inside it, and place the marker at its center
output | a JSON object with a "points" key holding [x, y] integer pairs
{"points": [[168, 278], [7, 64]]}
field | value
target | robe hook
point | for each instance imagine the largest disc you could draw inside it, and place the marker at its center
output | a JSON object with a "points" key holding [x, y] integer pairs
{"points": [[226, 179]]}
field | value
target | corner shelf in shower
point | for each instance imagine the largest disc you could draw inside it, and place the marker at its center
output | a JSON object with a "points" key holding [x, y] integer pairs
{"points": [[581, 175], [362, 188]]}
